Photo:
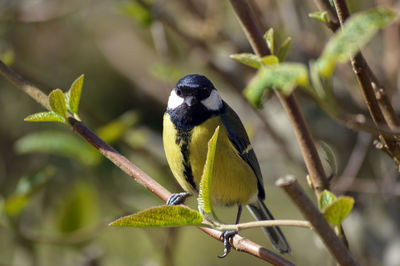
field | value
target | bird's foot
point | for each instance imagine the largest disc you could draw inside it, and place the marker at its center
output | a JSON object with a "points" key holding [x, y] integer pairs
{"points": [[177, 198], [228, 236]]}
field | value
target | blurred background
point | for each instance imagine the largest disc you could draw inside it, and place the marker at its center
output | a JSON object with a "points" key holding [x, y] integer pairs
{"points": [[57, 194]]}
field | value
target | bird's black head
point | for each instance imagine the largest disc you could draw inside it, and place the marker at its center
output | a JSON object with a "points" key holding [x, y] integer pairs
{"points": [[193, 100]]}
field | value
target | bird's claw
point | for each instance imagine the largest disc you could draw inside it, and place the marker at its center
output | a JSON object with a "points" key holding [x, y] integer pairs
{"points": [[177, 198], [228, 236]]}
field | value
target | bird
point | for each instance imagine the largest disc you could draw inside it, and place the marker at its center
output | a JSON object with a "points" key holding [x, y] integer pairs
{"points": [[195, 109]]}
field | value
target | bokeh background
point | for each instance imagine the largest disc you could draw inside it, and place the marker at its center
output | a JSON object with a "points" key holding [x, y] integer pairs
{"points": [[57, 194]]}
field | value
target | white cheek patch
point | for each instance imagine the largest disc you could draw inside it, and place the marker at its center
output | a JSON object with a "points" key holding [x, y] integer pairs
{"points": [[174, 100], [213, 102]]}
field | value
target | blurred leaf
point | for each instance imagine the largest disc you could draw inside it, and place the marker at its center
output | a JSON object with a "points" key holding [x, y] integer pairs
{"points": [[284, 49], [167, 72], [162, 216], [269, 39], [326, 198], [7, 57], [247, 59], [357, 31], [284, 77], [45, 117], [57, 103], [114, 130], [270, 60], [320, 16], [136, 11], [204, 199], [60, 143], [26, 188], [336, 212], [329, 156], [79, 208], [74, 94]]}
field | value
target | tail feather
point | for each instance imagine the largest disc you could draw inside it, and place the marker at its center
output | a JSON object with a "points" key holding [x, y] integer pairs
{"points": [[261, 212]]}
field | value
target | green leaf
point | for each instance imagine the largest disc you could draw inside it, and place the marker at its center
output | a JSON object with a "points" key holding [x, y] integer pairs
{"points": [[74, 94], [326, 198], [45, 117], [329, 156], [284, 77], [284, 49], [114, 130], [57, 103], [27, 187], [320, 16], [59, 143], [270, 60], [251, 60], [204, 198], [162, 216], [357, 31], [78, 208], [138, 12], [336, 212], [269, 39]]}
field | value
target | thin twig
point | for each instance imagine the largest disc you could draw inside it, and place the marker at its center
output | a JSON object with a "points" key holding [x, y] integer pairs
{"points": [[239, 243], [309, 151], [267, 223], [320, 225]]}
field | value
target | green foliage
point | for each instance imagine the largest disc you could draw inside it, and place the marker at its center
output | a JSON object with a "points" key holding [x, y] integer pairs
{"points": [[204, 199], [26, 188], [114, 130], [269, 39], [167, 72], [284, 77], [335, 210], [57, 103], [251, 60], [162, 216], [284, 49], [59, 143], [357, 31], [320, 16], [7, 56], [79, 208], [138, 12], [45, 117], [73, 95], [329, 156]]}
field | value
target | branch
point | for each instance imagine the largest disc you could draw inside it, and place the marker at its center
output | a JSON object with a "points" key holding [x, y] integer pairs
{"points": [[303, 135], [239, 243], [265, 223], [320, 225]]}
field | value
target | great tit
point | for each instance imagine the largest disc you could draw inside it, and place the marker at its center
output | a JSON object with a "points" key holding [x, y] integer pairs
{"points": [[194, 110]]}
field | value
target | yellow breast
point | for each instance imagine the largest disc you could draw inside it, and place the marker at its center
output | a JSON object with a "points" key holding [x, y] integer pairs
{"points": [[233, 180]]}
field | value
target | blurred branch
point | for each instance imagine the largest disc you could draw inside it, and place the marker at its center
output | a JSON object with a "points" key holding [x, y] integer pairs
{"points": [[320, 225], [379, 105], [303, 135], [239, 243], [325, 5]]}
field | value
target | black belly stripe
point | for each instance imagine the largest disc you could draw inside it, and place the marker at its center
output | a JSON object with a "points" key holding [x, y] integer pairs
{"points": [[183, 139]]}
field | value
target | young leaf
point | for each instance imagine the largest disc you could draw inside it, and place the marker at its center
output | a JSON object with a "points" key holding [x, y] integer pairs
{"points": [[269, 39], [205, 183], [326, 198], [74, 94], [284, 49], [270, 60], [114, 130], [336, 212], [320, 16], [45, 117], [284, 77], [60, 143], [329, 156], [357, 31], [57, 103], [162, 216], [251, 60]]}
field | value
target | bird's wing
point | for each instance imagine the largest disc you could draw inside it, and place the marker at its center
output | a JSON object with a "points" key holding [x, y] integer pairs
{"points": [[240, 140]]}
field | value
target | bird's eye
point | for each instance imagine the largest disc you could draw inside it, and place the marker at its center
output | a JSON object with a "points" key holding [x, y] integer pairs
{"points": [[178, 92]]}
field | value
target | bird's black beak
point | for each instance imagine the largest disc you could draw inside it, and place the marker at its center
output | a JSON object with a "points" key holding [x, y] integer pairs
{"points": [[190, 101]]}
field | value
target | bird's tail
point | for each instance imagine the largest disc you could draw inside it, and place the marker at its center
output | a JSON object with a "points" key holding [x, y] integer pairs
{"points": [[278, 240]]}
